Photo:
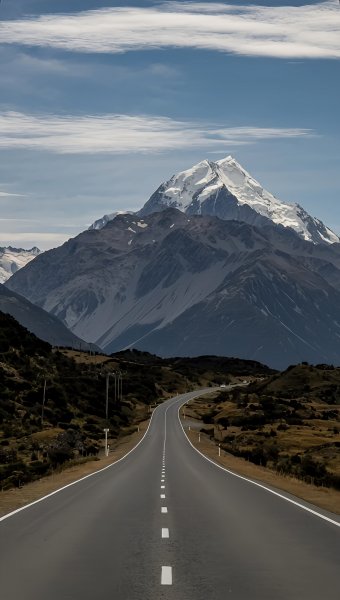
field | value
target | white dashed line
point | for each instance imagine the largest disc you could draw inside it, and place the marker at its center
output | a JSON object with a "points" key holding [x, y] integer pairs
{"points": [[162, 480], [162, 487], [164, 509], [166, 578], [165, 532], [162, 495]]}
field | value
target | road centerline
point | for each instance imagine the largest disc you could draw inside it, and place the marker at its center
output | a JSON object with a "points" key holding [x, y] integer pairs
{"points": [[166, 577]]}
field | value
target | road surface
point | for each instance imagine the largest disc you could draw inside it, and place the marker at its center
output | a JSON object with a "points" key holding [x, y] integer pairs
{"points": [[165, 523]]}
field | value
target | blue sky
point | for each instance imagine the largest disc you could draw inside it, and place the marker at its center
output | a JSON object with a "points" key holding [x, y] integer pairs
{"points": [[102, 101]]}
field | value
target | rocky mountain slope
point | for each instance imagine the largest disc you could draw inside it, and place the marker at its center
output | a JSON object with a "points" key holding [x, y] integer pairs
{"points": [[100, 223], [175, 284], [13, 259], [226, 190]]}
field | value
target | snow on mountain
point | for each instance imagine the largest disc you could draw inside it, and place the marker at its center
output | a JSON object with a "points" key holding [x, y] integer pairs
{"points": [[100, 223], [13, 259], [175, 284], [226, 190]]}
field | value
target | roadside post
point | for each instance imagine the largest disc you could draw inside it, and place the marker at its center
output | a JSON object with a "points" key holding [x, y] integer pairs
{"points": [[106, 431]]}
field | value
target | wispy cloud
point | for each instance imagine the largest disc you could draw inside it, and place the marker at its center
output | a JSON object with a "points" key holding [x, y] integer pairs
{"points": [[121, 134], [8, 194], [309, 31]]}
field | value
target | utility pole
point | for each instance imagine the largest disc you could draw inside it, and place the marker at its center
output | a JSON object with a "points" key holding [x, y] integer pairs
{"points": [[107, 397], [120, 382], [43, 405]]}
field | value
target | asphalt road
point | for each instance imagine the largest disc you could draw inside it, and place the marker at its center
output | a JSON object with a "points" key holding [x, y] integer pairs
{"points": [[164, 523]]}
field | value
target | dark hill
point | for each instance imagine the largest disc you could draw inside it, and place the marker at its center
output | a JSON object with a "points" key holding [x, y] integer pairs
{"points": [[35, 439]]}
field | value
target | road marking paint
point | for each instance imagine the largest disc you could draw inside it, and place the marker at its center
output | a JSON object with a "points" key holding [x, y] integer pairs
{"points": [[164, 509], [14, 512], [165, 532], [166, 578], [162, 487], [162, 495], [260, 485], [162, 480]]}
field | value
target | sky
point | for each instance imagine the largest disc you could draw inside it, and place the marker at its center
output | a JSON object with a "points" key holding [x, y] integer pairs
{"points": [[100, 102]]}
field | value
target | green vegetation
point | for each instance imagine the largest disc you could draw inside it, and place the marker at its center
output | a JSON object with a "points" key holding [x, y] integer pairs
{"points": [[38, 436], [289, 422]]}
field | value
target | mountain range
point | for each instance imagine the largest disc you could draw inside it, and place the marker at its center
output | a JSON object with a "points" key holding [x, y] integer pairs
{"points": [[212, 264], [175, 284]]}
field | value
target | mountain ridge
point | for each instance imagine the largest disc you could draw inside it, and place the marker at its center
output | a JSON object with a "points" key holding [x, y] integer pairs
{"points": [[168, 284], [13, 259], [226, 190]]}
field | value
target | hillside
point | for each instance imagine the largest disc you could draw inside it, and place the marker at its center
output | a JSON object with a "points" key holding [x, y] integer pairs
{"points": [[289, 422], [34, 439], [38, 321]]}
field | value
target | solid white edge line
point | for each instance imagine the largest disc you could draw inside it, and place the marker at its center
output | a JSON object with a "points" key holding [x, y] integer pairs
{"points": [[260, 485], [14, 512], [166, 578]]}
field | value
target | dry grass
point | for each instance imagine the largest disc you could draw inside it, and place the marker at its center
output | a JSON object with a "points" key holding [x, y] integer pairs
{"points": [[322, 497], [86, 358], [15, 498]]}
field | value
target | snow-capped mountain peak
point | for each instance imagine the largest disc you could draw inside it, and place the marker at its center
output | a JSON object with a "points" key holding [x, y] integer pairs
{"points": [[100, 223], [226, 190], [13, 259]]}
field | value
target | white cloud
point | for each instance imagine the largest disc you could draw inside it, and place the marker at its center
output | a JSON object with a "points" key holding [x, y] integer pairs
{"points": [[121, 134], [7, 194], [309, 31]]}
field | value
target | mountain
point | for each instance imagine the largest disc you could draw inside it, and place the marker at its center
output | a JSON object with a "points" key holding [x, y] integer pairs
{"points": [[174, 284], [224, 189], [39, 322], [100, 223], [13, 259]]}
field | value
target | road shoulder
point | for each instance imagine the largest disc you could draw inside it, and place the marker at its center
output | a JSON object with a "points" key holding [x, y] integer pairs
{"points": [[322, 497], [15, 498]]}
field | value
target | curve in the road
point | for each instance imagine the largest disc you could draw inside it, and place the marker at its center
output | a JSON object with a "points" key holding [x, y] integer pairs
{"points": [[164, 524]]}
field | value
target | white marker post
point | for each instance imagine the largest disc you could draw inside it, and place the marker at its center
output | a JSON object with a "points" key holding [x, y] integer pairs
{"points": [[106, 431], [219, 449], [199, 437]]}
